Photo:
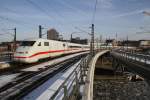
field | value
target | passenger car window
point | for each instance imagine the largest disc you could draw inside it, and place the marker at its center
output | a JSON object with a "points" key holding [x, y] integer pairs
{"points": [[64, 45], [39, 44], [27, 43], [46, 43]]}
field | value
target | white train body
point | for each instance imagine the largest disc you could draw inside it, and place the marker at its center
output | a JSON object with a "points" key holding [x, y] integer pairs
{"points": [[33, 50]]}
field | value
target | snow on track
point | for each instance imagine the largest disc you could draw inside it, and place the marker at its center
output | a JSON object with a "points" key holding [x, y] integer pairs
{"points": [[4, 79], [46, 90]]}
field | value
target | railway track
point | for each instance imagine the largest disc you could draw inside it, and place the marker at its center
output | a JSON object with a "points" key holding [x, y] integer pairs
{"points": [[26, 83], [16, 67]]}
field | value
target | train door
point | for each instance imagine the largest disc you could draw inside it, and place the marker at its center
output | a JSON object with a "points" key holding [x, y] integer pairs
{"points": [[52, 48], [65, 47], [47, 49]]}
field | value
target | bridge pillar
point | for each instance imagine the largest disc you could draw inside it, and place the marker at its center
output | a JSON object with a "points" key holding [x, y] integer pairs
{"points": [[117, 66]]}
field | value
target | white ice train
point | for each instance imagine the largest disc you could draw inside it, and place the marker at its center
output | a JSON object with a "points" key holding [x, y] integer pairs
{"points": [[32, 50]]}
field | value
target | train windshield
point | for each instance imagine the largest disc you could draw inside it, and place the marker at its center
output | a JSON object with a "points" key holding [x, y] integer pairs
{"points": [[27, 43]]}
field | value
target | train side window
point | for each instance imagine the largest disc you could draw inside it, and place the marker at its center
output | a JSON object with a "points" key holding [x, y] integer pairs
{"points": [[64, 45], [46, 43], [39, 44]]}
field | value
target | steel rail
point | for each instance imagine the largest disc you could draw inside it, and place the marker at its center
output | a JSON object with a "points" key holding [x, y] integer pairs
{"points": [[17, 89]]}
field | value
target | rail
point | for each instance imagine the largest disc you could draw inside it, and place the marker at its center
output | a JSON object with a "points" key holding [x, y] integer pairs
{"points": [[21, 89]]}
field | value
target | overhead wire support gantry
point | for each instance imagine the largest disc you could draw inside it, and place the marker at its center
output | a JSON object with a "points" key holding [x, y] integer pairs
{"points": [[92, 47]]}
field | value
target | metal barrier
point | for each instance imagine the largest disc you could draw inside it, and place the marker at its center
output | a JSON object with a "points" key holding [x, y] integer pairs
{"points": [[133, 56], [71, 86], [88, 90], [134, 62]]}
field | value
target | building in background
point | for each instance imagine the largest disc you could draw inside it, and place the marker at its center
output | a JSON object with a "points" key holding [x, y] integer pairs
{"points": [[52, 34], [111, 42], [9, 46], [145, 43], [79, 41], [131, 43]]}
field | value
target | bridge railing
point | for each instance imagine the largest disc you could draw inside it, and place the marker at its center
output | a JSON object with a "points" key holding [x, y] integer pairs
{"points": [[71, 86], [133, 56]]}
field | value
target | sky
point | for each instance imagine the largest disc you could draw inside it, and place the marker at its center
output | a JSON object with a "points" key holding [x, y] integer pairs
{"points": [[121, 17]]}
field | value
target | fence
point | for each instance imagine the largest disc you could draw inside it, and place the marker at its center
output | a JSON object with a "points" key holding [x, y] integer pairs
{"points": [[133, 56], [71, 86]]}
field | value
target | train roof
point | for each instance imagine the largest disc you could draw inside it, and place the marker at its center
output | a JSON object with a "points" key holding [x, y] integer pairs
{"points": [[38, 39]]}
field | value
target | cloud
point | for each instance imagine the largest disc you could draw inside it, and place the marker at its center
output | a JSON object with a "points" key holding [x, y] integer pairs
{"points": [[128, 13], [105, 3]]}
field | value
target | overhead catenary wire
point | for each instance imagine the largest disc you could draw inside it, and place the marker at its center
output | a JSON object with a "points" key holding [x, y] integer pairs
{"points": [[9, 10], [10, 20], [38, 7], [14, 21], [94, 12], [43, 11], [56, 12], [19, 22], [67, 5]]}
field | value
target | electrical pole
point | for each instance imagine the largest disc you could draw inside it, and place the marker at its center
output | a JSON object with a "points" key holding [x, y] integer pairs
{"points": [[92, 40], [100, 42], [127, 43], [116, 39], [71, 38], [40, 31], [14, 38]]}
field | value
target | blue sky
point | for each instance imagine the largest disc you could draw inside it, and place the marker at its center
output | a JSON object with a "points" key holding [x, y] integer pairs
{"points": [[123, 17]]}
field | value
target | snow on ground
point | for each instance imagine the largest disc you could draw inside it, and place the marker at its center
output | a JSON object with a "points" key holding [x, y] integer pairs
{"points": [[46, 90], [4, 79], [4, 62], [52, 62]]}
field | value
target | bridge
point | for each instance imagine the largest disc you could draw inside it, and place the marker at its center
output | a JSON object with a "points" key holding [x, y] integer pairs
{"points": [[135, 62], [74, 78]]}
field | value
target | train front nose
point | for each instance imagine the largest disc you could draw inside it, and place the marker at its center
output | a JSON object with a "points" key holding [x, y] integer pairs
{"points": [[21, 54]]}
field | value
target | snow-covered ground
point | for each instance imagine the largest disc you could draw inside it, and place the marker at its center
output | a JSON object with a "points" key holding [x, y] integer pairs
{"points": [[46, 90], [4, 79], [52, 62]]}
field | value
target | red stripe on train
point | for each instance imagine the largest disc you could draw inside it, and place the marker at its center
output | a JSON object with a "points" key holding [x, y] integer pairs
{"points": [[40, 53]]}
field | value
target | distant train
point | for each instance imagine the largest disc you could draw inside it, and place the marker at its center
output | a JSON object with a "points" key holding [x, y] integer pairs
{"points": [[33, 50]]}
